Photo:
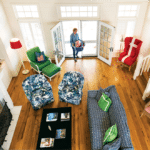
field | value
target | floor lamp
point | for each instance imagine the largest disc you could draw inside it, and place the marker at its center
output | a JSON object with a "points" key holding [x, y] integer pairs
{"points": [[16, 44]]}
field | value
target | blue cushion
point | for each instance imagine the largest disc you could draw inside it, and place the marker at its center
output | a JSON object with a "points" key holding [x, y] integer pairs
{"points": [[115, 145], [99, 94], [39, 55]]}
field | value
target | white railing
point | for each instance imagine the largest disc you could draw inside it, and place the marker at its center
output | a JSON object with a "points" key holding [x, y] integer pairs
{"points": [[143, 65], [147, 90]]}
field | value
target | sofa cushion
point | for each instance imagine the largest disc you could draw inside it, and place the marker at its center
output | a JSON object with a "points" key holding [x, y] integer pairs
{"points": [[99, 123], [51, 69], [41, 65], [99, 94], [110, 134], [117, 116], [115, 145], [105, 102]]}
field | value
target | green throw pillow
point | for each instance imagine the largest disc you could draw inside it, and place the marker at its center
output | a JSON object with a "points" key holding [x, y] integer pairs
{"points": [[110, 134], [104, 102]]}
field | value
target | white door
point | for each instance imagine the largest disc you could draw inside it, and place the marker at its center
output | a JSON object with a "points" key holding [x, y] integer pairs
{"points": [[58, 42], [105, 42]]}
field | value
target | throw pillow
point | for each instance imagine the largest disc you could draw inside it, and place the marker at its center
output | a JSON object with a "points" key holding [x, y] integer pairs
{"points": [[147, 109], [40, 57], [115, 145], [104, 102], [110, 134], [78, 43]]}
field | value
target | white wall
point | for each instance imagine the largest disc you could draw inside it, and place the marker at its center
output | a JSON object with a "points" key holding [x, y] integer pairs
{"points": [[11, 57], [145, 49], [49, 16]]}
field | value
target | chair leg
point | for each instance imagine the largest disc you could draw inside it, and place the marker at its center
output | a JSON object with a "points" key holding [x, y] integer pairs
{"points": [[129, 68], [142, 114]]}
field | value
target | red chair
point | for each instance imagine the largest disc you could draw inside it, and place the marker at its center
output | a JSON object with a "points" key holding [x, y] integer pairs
{"points": [[131, 52]]}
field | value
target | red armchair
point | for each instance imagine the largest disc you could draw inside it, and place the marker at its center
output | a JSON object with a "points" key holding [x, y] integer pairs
{"points": [[131, 51]]}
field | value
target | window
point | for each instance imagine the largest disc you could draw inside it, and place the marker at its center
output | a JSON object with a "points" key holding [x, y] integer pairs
{"points": [[29, 21], [26, 11], [32, 35], [79, 11], [128, 10], [124, 28]]}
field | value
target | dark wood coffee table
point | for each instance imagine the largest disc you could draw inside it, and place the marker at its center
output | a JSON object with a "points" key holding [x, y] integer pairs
{"points": [[63, 143]]}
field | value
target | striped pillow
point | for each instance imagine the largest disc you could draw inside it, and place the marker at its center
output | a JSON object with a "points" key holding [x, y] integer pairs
{"points": [[104, 102], [110, 134]]}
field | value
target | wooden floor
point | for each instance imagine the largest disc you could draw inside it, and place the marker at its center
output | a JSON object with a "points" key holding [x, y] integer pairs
{"points": [[97, 74]]}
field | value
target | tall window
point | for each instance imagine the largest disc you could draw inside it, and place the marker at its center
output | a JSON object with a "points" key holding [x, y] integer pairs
{"points": [[29, 21], [79, 11], [127, 15]]}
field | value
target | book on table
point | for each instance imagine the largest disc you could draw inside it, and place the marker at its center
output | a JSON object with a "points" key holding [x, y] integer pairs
{"points": [[51, 117], [47, 142]]}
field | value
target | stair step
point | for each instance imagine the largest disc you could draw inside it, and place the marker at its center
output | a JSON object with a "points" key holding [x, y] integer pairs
{"points": [[146, 75], [141, 82]]}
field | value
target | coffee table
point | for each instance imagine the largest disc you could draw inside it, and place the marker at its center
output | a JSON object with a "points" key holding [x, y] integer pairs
{"points": [[50, 124]]}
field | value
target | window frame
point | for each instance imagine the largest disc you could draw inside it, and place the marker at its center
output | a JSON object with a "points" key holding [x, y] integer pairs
{"points": [[25, 4], [138, 10], [30, 19], [76, 18]]}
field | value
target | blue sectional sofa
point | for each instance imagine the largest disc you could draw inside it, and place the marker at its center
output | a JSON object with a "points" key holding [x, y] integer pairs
{"points": [[100, 121]]}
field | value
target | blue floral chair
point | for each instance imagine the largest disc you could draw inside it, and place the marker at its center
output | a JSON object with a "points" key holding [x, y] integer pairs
{"points": [[38, 91], [70, 88]]}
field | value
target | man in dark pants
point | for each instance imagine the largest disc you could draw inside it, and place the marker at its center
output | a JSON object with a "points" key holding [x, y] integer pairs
{"points": [[73, 38]]}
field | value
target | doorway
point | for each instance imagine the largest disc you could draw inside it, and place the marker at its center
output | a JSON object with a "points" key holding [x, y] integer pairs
{"points": [[87, 31], [98, 37]]}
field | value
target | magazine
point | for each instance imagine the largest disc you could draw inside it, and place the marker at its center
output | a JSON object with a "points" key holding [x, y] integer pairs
{"points": [[60, 133], [47, 142], [65, 116], [52, 117]]}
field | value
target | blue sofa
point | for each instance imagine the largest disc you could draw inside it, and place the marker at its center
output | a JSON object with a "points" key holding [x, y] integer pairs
{"points": [[100, 121]]}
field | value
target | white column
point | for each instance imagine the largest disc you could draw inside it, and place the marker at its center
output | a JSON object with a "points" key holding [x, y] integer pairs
{"points": [[138, 67], [7, 98]]}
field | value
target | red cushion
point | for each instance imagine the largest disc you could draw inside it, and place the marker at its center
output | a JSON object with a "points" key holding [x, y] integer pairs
{"points": [[134, 53], [129, 61]]}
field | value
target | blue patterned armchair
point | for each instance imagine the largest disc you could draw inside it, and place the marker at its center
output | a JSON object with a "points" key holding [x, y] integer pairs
{"points": [[70, 88], [38, 91]]}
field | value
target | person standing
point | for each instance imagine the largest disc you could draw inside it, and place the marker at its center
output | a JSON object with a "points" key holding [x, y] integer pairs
{"points": [[73, 38]]}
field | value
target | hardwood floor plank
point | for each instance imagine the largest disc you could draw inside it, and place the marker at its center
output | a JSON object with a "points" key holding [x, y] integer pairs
{"points": [[97, 74]]}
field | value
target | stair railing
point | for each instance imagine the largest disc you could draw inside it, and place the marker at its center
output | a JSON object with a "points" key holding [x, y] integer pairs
{"points": [[143, 65]]}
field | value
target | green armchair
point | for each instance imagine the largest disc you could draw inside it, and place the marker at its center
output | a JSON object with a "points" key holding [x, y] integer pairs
{"points": [[47, 68]]}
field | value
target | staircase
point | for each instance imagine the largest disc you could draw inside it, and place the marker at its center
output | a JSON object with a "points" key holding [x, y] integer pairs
{"points": [[142, 81]]}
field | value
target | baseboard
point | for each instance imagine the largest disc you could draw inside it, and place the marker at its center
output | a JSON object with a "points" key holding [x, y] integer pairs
{"points": [[15, 115]]}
